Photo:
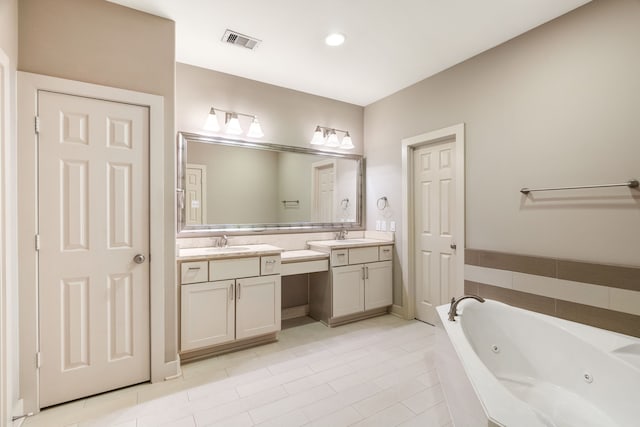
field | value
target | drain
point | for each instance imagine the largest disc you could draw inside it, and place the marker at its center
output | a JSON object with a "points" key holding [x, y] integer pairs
{"points": [[587, 377], [495, 349]]}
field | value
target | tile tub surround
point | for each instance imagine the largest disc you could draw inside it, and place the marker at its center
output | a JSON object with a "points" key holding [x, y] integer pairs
{"points": [[377, 372], [605, 296]]}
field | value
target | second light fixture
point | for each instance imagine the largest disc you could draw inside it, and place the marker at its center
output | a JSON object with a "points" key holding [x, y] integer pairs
{"points": [[327, 136]]}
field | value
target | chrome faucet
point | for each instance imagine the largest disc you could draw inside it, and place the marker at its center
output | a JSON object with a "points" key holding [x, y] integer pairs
{"points": [[453, 310], [342, 234], [223, 241]]}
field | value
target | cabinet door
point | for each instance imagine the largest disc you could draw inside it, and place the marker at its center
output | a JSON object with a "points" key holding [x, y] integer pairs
{"points": [[348, 289], [258, 306], [378, 288], [207, 314]]}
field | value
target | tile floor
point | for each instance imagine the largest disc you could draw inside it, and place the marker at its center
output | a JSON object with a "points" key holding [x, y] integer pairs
{"points": [[377, 372]]}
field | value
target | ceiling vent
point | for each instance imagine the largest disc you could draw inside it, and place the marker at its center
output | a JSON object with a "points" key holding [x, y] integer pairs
{"points": [[237, 39]]}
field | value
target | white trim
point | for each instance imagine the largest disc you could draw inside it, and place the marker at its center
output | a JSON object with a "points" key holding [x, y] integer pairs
{"points": [[6, 359], [28, 87], [456, 133]]}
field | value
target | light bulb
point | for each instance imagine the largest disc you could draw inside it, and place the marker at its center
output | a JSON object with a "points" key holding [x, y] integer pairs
{"points": [[334, 39], [233, 124], [212, 124], [347, 144], [255, 131], [332, 140], [318, 137]]}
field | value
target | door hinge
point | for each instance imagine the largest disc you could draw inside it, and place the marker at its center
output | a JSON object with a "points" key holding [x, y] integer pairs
{"points": [[38, 360], [37, 241], [37, 124]]}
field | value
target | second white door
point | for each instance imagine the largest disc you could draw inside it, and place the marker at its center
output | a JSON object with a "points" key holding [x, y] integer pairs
{"points": [[434, 221]]}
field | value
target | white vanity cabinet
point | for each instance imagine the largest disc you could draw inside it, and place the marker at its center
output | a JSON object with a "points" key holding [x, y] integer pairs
{"points": [[360, 281], [207, 314], [361, 287], [239, 300]]}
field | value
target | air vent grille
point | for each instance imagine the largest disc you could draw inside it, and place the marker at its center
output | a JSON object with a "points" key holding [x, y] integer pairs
{"points": [[237, 39]]}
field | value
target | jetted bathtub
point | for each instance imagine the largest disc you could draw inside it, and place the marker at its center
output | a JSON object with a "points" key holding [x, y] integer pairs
{"points": [[501, 365]]}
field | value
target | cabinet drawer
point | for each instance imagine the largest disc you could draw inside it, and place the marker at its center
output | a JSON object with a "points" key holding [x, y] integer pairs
{"points": [[385, 253], [269, 265], [223, 269], [339, 257], [194, 272], [362, 255]]}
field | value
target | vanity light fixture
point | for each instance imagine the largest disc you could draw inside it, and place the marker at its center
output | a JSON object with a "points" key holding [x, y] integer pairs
{"points": [[212, 124], [255, 131], [328, 137], [232, 123]]}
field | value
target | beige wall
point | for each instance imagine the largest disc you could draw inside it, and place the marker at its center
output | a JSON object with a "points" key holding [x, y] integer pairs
{"points": [[556, 106], [233, 171], [287, 117], [9, 29], [99, 42]]}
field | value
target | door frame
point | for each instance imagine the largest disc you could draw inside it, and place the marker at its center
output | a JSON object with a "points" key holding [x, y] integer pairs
{"points": [[409, 145], [203, 188], [315, 185], [7, 297], [28, 87]]}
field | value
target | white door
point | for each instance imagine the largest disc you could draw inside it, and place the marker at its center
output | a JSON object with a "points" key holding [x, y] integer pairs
{"points": [[208, 315], [196, 190], [258, 306], [348, 289], [93, 211], [323, 191], [434, 204], [378, 287]]}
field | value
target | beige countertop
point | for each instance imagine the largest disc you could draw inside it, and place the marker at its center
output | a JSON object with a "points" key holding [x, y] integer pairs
{"points": [[188, 254], [302, 255], [326, 245]]}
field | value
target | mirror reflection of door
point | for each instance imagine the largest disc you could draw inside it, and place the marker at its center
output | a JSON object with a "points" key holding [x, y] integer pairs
{"points": [[196, 192], [323, 189]]}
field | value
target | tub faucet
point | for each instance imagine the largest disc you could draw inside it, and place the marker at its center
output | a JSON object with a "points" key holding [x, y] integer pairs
{"points": [[453, 310]]}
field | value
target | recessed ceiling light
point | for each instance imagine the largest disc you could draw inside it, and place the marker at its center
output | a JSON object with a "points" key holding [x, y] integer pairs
{"points": [[334, 39]]}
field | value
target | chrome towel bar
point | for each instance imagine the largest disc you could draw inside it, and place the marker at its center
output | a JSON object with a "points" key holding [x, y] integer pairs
{"points": [[632, 183]]}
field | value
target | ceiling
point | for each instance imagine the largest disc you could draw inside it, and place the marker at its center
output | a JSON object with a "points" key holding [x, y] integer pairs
{"points": [[390, 44]]}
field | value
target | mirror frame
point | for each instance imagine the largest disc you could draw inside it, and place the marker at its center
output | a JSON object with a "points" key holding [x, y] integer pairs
{"points": [[267, 228]]}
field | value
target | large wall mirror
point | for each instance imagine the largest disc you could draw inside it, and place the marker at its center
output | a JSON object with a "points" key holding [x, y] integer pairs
{"points": [[233, 186]]}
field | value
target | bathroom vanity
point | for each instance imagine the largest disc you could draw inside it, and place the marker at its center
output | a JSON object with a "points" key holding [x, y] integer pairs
{"points": [[229, 298], [359, 284]]}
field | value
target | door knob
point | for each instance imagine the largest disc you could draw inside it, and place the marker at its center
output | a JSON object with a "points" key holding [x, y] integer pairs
{"points": [[139, 259], [453, 246]]}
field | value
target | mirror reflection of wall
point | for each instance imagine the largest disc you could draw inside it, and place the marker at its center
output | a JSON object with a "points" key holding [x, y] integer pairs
{"points": [[252, 186]]}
